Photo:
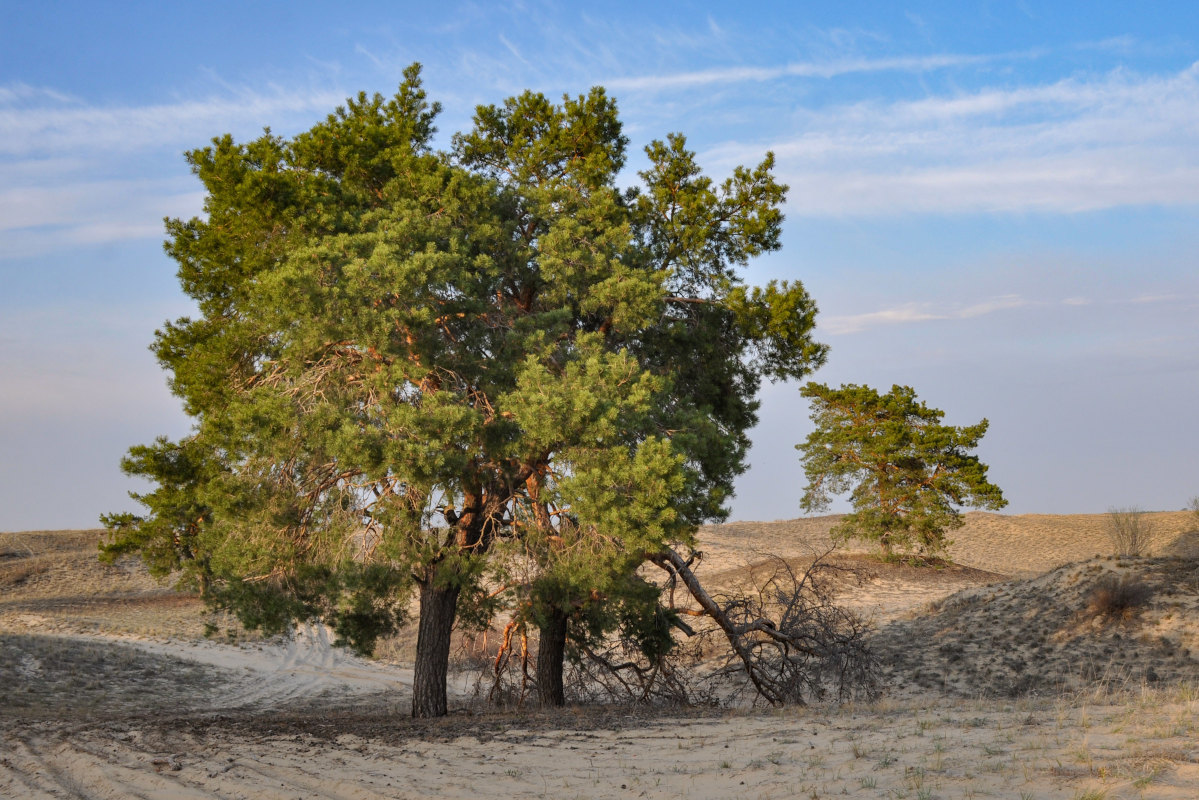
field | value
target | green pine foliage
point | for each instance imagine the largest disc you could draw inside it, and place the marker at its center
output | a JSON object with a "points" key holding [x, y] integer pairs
{"points": [[168, 538], [906, 473], [415, 369]]}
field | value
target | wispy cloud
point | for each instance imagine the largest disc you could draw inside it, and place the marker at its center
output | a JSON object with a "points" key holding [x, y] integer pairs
{"points": [[918, 312], [1001, 303], [803, 69], [58, 153], [63, 125], [1068, 146], [22, 92], [514, 50], [32, 207], [37, 220], [1048, 184]]}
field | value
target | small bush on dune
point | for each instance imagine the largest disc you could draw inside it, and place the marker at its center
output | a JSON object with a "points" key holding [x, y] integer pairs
{"points": [[1118, 598], [1131, 531]]}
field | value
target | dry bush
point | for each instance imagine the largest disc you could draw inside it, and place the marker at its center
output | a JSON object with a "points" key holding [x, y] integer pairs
{"points": [[611, 671], [617, 672], [800, 645], [777, 639], [1118, 598], [1131, 531]]}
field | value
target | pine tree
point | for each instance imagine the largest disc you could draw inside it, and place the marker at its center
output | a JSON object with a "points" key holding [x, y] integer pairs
{"points": [[409, 363], [905, 471]]}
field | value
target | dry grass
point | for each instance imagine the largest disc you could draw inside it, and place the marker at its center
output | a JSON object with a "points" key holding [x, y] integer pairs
{"points": [[53, 582]]}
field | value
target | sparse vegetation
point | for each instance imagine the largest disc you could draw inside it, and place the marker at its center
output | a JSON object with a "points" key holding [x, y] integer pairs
{"points": [[54, 581], [39, 672], [15, 570]]}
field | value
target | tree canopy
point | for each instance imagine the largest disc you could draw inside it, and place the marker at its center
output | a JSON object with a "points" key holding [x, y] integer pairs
{"points": [[906, 473], [410, 367]]}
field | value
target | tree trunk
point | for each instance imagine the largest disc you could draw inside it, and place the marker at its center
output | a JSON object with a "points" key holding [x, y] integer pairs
{"points": [[885, 539], [551, 652], [437, 608]]}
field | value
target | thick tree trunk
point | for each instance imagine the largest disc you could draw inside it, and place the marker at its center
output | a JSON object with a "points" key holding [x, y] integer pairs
{"points": [[551, 652], [437, 609]]}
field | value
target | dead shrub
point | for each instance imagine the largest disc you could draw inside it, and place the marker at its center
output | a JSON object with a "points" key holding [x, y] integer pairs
{"points": [[1131, 531], [775, 638], [783, 632], [1118, 598]]}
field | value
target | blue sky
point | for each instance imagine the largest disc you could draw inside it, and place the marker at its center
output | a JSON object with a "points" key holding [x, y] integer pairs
{"points": [[994, 203]]}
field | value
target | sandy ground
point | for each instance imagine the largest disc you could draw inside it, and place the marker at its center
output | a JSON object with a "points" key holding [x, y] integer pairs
{"points": [[1134, 745], [109, 690]]}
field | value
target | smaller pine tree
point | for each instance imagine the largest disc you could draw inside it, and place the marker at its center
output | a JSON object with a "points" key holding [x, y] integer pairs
{"points": [[906, 473]]}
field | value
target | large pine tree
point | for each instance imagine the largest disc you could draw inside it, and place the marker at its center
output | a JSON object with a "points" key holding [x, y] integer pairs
{"points": [[407, 362]]}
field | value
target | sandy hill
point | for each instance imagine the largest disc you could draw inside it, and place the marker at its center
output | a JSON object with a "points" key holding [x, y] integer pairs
{"points": [[1118, 622], [1019, 546], [1015, 614], [109, 688]]}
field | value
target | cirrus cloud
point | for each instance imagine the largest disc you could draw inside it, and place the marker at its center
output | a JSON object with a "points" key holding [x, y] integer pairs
{"points": [[1070, 146]]}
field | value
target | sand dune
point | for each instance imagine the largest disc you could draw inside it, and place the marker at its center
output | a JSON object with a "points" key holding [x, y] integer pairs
{"points": [[1004, 679], [1014, 545]]}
